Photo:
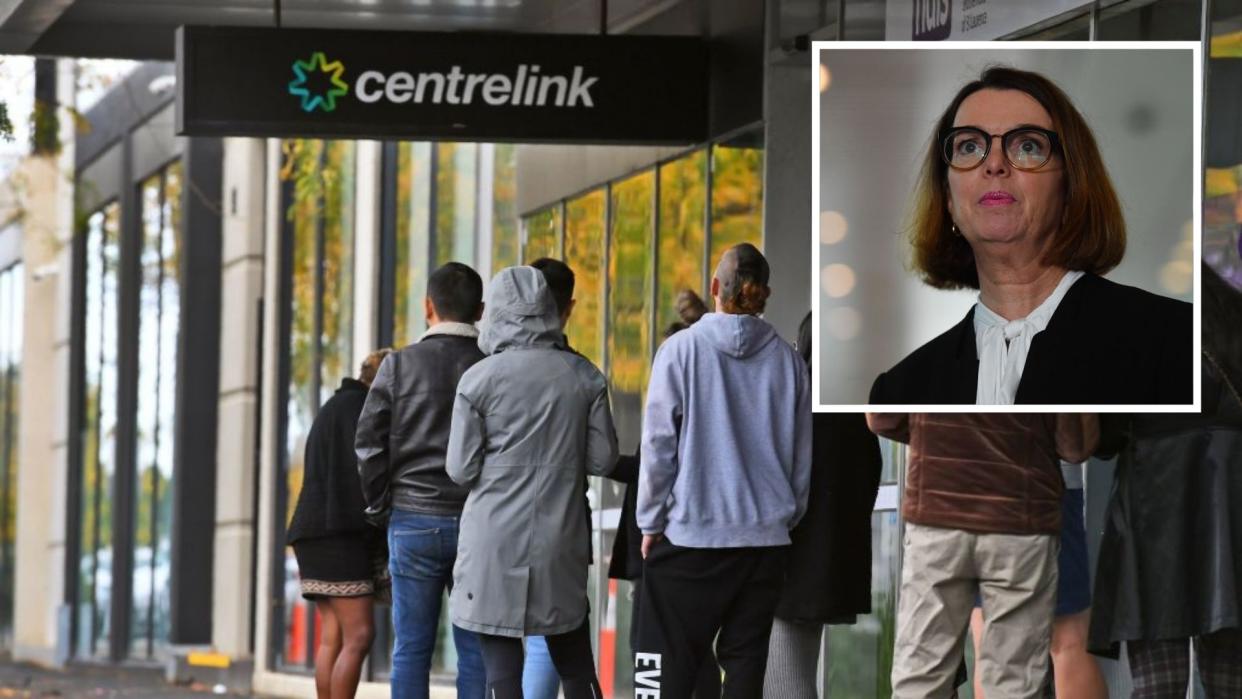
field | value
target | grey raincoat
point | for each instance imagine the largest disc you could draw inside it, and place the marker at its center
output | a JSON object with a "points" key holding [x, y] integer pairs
{"points": [[530, 421]]}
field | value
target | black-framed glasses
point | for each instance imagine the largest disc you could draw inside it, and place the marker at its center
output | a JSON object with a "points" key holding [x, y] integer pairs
{"points": [[1026, 147]]}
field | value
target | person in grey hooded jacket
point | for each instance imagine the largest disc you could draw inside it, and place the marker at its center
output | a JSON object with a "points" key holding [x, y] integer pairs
{"points": [[726, 469], [530, 421]]}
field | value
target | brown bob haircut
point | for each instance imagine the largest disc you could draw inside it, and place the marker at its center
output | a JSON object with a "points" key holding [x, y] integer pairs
{"points": [[1092, 237]]}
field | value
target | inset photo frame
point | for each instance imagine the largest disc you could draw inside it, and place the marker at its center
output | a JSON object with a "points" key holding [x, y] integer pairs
{"points": [[1004, 227]]}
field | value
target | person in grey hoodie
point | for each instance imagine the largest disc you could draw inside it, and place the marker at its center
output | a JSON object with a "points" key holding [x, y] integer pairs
{"points": [[530, 421], [726, 454]]}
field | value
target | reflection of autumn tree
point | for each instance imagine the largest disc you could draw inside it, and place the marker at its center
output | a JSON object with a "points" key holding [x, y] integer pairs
{"points": [[456, 202], [152, 483], [542, 234], [737, 198], [321, 215], [630, 278], [413, 173], [101, 229], [584, 253], [338, 265], [504, 208], [683, 186]]}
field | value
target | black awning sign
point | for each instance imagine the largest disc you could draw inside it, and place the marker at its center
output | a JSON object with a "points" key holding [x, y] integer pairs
{"points": [[496, 87]]}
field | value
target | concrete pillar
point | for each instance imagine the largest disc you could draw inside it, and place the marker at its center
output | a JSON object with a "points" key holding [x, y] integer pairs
{"points": [[787, 188], [241, 280], [40, 623]]}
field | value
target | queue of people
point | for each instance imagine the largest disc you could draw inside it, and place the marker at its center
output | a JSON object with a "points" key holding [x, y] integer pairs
{"points": [[470, 451], [458, 464]]}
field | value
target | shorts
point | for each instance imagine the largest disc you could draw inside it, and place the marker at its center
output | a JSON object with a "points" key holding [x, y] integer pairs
{"points": [[1073, 566]]}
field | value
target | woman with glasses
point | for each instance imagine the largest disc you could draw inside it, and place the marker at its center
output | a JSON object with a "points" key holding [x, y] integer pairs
{"points": [[1014, 200]]}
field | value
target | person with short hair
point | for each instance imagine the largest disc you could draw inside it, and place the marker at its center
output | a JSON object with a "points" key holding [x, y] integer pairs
{"points": [[1014, 200], [403, 436], [726, 467], [340, 558]]}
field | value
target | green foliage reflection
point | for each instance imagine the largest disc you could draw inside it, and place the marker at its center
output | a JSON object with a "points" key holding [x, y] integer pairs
{"points": [[543, 233], [683, 187], [737, 198], [584, 253], [631, 279]]}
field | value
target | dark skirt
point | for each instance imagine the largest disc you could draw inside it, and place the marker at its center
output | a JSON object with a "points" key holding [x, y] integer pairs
{"points": [[1170, 564], [341, 565]]}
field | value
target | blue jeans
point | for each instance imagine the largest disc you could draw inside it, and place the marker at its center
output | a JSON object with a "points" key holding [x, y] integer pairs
{"points": [[422, 549], [539, 677]]}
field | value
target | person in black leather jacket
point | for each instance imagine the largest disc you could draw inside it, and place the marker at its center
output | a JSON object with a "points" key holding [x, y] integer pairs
{"points": [[401, 442], [1173, 532]]}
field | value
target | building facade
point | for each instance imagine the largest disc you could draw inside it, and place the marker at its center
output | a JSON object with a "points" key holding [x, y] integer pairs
{"points": [[184, 305]]}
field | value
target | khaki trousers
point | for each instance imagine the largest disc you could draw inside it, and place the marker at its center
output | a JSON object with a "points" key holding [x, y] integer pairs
{"points": [[1016, 576]]}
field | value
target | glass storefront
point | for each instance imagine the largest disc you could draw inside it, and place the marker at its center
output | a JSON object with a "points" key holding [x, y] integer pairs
{"points": [[12, 291], [437, 215], [159, 321], [94, 583], [319, 249], [584, 253], [542, 234], [130, 449]]}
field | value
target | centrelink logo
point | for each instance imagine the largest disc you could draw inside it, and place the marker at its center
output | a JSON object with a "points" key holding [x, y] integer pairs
{"points": [[526, 87], [320, 65]]}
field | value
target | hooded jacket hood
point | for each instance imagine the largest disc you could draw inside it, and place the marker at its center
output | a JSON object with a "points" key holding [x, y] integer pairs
{"points": [[519, 312], [739, 336]]}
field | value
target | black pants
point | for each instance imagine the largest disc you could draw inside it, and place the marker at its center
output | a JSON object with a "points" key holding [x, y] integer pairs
{"points": [[571, 654], [691, 596], [707, 686]]}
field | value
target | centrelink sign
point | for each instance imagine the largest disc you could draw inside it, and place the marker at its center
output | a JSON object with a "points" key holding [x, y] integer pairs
{"points": [[454, 86]]}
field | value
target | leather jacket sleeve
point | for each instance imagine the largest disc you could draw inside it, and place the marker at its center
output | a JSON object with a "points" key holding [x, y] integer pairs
{"points": [[371, 445], [1077, 435]]}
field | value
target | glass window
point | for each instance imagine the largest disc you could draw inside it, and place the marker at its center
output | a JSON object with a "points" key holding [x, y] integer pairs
{"points": [[320, 250], [737, 195], [543, 234], [158, 325], [1077, 28], [457, 197], [683, 192], [94, 589], [584, 253], [860, 656], [413, 240], [336, 256], [1165, 20], [631, 282], [504, 208], [1222, 191], [11, 314]]}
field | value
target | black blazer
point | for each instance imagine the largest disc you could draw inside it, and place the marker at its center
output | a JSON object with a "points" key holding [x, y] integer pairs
{"points": [[828, 574], [1106, 344]]}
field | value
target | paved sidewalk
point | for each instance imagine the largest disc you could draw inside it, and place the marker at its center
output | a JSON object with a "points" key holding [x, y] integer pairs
{"points": [[23, 681]]}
